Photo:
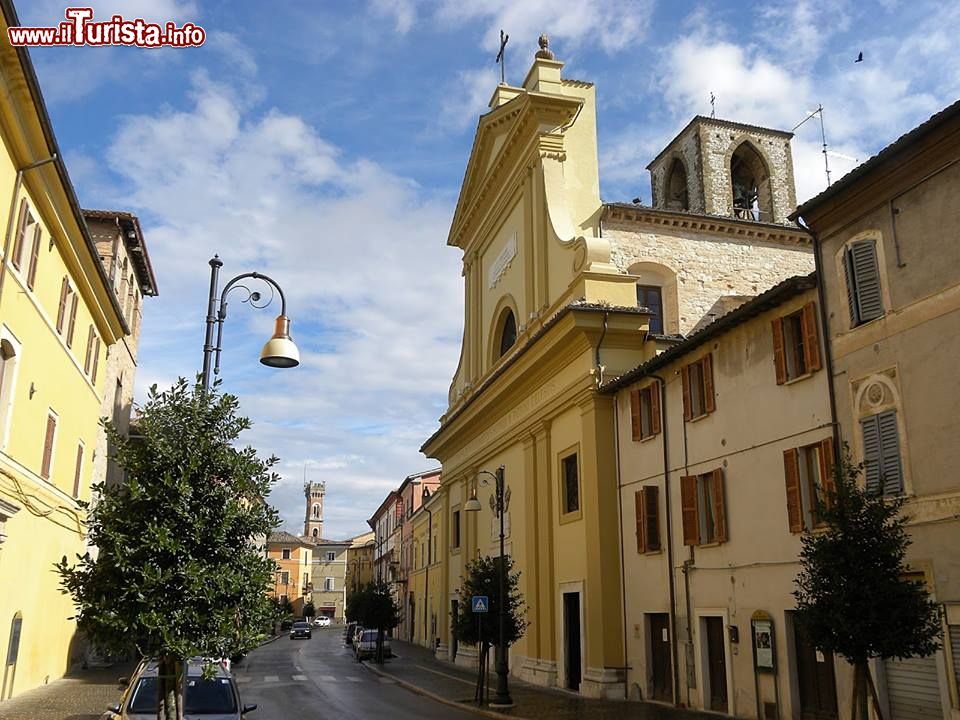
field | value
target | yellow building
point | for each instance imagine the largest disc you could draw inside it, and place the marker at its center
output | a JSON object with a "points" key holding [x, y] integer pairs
{"points": [[562, 290], [58, 316], [360, 561], [427, 614], [329, 574], [293, 557]]}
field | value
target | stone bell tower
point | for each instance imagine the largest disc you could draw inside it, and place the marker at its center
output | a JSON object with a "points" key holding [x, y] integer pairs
{"points": [[313, 521]]}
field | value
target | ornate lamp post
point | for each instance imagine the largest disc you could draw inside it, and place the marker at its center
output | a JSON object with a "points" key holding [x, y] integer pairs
{"points": [[499, 504], [280, 350]]}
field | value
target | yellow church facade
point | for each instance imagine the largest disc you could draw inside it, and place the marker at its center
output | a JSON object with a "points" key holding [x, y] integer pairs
{"points": [[58, 315], [553, 282]]}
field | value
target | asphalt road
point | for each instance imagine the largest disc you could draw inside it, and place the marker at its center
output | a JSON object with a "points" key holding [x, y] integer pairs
{"points": [[319, 679]]}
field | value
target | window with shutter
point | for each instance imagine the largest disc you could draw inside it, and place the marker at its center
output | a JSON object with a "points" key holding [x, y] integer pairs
{"points": [[34, 259], [640, 519], [685, 383], [811, 338], [71, 326], [77, 470], [791, 472], [62, 309], [96, 361], [571, 484], [779, 351], [826, 471], [645, 411], [90, 343], [19, 239], [635, 415], [719, 507], [863, 282], [655, 408], [46, 464], [688, 509], [651, 518], [698, 392], [881, 453]]}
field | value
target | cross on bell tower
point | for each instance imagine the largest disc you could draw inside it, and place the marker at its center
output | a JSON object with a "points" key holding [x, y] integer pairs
{"points": [[313, 521]]}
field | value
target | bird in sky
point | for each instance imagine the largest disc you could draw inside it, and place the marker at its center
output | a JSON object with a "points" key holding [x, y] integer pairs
{"points": [[859, 57]]}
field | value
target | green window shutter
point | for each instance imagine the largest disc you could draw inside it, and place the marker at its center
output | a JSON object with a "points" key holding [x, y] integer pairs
{"points": [[890, 453], [866, 280], [870, 427]]}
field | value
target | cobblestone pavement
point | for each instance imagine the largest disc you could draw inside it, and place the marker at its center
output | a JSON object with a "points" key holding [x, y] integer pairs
{"points": [[81, 695], [417, 668]]}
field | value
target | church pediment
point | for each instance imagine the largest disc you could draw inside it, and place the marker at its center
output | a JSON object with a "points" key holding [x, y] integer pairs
{"points": [[505, 140]]}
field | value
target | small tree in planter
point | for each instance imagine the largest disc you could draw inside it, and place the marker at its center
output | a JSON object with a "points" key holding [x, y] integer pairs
{"points": [[309, 610], [374, 608], [483, 578], [178, 573], [853, 596]]}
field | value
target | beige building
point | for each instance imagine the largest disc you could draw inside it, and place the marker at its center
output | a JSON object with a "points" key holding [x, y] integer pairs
{"points": [[561, 291], [330, 558], [739, 415], [123, 252], [428, 611], [360, 562], [887, 249], [293, 559]]}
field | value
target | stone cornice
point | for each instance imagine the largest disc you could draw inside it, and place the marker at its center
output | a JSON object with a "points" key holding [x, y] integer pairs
{"points": [[712, 224]]}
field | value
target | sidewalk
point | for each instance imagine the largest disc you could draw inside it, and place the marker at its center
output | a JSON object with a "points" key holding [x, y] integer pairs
{"points": [[418, 670], [81, 695]]}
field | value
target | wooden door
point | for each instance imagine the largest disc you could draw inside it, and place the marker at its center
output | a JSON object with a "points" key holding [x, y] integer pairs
{"points": [[571, 626], [817, 684], [716, 664], [662, 678]]}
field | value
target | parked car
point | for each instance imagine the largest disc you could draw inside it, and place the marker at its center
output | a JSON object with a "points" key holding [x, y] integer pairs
{"points": [[301, 629], [322, 621], [213, 699], [286, 624], [348, 633], [366, 645]]}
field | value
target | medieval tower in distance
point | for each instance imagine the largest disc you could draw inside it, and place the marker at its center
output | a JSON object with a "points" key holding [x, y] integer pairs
{"points": [[313, 521]]}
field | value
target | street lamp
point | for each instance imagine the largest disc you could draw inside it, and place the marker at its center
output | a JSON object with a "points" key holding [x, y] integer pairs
{"points": [[279, 351], [499, 504]]}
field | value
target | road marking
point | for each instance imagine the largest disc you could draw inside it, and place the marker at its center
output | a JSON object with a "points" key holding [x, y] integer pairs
{"points": [[241, 678], [271, 678], [353, 678], [299, 678], [327, 678], [299, 669], [388, 681]]}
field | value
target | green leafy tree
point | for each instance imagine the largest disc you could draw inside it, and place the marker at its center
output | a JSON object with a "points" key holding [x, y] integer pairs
{"points": [[374, 608], [309, 610], [178, 573], [853, 595], [483, 578]]}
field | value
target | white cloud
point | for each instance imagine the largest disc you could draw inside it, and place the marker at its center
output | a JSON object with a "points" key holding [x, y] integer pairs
{"points": [[373, 293], [402, 12], [466, 98], [234, 50], [50, 12]]}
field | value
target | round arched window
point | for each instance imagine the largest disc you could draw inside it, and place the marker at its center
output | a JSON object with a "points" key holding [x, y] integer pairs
{"points": [[508, 332]]}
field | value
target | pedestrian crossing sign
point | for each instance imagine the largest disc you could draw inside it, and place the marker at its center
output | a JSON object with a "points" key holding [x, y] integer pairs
{"points": [[480, 603]]}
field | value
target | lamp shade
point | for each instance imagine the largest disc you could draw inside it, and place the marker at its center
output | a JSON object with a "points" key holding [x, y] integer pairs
{"points": [[472, 505], [280, 350]]}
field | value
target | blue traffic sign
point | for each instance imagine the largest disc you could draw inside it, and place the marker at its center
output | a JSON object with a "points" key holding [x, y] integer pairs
{"points": [[480, 603]]}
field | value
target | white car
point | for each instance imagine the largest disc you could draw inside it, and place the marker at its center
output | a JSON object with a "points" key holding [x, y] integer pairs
{"points": [[322, 621]]}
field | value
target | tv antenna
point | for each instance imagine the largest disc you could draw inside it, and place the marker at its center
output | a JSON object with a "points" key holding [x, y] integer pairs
{"points": [[823, 137], [713, 105]]}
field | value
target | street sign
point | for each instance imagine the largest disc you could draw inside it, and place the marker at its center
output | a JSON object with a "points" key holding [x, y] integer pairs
{"points": [[479, 603]]}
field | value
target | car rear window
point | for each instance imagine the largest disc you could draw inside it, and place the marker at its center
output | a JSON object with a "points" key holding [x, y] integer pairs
{"points": [[301, 626], [203, 697]]}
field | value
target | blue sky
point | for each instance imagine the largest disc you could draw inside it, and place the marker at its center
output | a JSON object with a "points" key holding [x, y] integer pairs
{"points": [[323, 143]]}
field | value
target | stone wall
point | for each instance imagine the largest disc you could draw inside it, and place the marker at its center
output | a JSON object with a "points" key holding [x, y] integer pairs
{"points": [[698, 268]]}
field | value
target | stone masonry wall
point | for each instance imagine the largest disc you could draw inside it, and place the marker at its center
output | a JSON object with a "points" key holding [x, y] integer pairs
{"points": [[687, 148], [704, 267]]}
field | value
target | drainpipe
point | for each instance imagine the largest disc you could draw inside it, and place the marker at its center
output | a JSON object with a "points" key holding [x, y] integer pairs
{"points": [[687, 567], [670, 574], [827, 344], [17, 183], [623, 579]]}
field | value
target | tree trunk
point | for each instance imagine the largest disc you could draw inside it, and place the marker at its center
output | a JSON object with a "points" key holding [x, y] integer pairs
{"points": [[170, 688], [873, 693], [861, 679]]}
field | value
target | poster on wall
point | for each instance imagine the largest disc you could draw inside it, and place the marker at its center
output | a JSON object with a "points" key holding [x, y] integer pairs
{"points": [[763, 643]]}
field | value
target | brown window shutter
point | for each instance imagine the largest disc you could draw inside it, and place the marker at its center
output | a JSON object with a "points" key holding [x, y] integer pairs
{"points": [[96, 361], [709, 402], [779, 356], [651, 517], [86, 363], [48, 447], [719, 507], [19, 237], [655, 408], [76, 473], [685, 382], [811, 338], [791, 473], [73, 321], [635, 414], [826, 469], [62, 311], [688, 509], [641, 514], [34, 259]]}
